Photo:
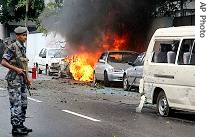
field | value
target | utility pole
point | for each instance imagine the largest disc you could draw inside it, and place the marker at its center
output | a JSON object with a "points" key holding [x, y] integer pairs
{"points": [[26, 16], [181, 7]]}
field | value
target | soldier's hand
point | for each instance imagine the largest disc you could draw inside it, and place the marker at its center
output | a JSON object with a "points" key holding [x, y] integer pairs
{"points": [[29, 81], [20, 71]]}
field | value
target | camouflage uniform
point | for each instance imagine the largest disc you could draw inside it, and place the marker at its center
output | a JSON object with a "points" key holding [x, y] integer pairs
{"points": [[16, 87]]}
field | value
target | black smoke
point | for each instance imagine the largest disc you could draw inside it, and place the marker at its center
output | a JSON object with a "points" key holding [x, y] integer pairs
{"points": [[83, 22]]}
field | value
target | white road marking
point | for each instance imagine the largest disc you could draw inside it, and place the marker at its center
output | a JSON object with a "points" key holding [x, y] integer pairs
{"points": [[34, 100], [80, 115]]}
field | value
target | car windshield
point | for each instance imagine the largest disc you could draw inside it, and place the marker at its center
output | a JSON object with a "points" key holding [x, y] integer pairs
{"points": [[53, 52], [139, 60], [60, 54], [122, 57]]}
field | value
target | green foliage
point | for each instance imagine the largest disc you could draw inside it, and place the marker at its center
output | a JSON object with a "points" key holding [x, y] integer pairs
{"points": [[15, 10], [168, 7]]}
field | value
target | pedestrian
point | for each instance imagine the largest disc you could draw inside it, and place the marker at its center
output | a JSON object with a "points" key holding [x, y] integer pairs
{"points": [[14, 58]]}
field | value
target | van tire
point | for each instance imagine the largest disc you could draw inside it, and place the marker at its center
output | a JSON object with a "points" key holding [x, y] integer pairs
{"points": [[106, 79], [162, 105]]}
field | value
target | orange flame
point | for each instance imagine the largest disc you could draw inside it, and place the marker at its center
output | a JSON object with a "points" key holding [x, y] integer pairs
{"points": [[81, 66], [82, 63], [114, 42]]}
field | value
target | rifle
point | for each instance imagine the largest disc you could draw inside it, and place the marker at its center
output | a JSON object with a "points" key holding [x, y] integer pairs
{"points": [[22, 63]]}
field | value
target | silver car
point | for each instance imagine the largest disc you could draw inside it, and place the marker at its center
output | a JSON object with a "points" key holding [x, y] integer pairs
{"points": [[111, 66], [134, 73]]}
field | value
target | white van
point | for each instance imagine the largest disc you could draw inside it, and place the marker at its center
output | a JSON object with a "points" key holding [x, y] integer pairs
{"points": [[169, 70]]}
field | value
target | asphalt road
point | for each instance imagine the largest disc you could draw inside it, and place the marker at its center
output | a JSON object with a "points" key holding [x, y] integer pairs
{"points": [[65, 108]]}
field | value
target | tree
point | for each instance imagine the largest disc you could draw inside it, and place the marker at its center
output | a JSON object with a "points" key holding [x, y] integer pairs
{"points": [[15, 10], [169, 7]]}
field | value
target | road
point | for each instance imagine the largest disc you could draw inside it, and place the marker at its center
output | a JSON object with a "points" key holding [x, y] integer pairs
{"points": [[65, 108]]}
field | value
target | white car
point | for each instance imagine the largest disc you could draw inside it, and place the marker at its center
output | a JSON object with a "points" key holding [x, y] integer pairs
{"points": [[111, 66], [49, 59], [133, 74]]}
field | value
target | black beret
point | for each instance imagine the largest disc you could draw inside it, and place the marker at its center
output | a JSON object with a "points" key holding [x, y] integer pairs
{"points": [[20, 30]]}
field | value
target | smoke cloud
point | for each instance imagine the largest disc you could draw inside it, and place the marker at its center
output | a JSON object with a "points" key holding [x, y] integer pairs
{"points": [[84, 22]]}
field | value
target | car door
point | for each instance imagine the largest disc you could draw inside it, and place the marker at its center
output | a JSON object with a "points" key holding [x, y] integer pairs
{"points": [[136, 72], [139, 69], [43, 59], [131, 73], [39, 59], [100, 66]]}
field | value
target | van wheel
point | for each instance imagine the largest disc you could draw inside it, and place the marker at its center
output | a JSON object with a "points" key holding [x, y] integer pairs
{"points": [[125, 83], [162, 104], [106, 80]]}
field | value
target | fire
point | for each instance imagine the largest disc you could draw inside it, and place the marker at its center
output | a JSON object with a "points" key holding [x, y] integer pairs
{"points": [[120, 42], [81, 66], [114, 42], [82, 63]]}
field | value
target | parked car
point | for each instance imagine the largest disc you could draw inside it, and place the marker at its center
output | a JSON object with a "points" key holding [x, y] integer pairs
{"points": [[111, 66], [48, 60], [133, 74]]}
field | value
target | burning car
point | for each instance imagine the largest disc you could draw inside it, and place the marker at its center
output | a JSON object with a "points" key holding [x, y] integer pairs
{"points": [[133, 74], [64, 69], [111, 66]]}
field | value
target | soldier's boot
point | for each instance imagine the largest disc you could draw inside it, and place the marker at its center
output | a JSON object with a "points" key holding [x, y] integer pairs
{"points": [[18, 131], [25, 128]]}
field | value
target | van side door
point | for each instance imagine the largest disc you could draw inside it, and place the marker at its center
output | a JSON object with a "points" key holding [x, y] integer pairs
{"points": [[186, 75]]}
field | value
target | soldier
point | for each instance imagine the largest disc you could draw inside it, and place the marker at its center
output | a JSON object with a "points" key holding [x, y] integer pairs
{"points": [[14, 58]]}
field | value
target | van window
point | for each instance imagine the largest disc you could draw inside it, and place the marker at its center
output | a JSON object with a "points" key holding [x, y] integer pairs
{"points": [[165, 51], [187, 52]]}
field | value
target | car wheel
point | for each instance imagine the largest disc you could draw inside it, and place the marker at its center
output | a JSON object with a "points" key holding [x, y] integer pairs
{"points": [[49, 73], [125, 83], [162, 104], [106, 80], [39, 71]]}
